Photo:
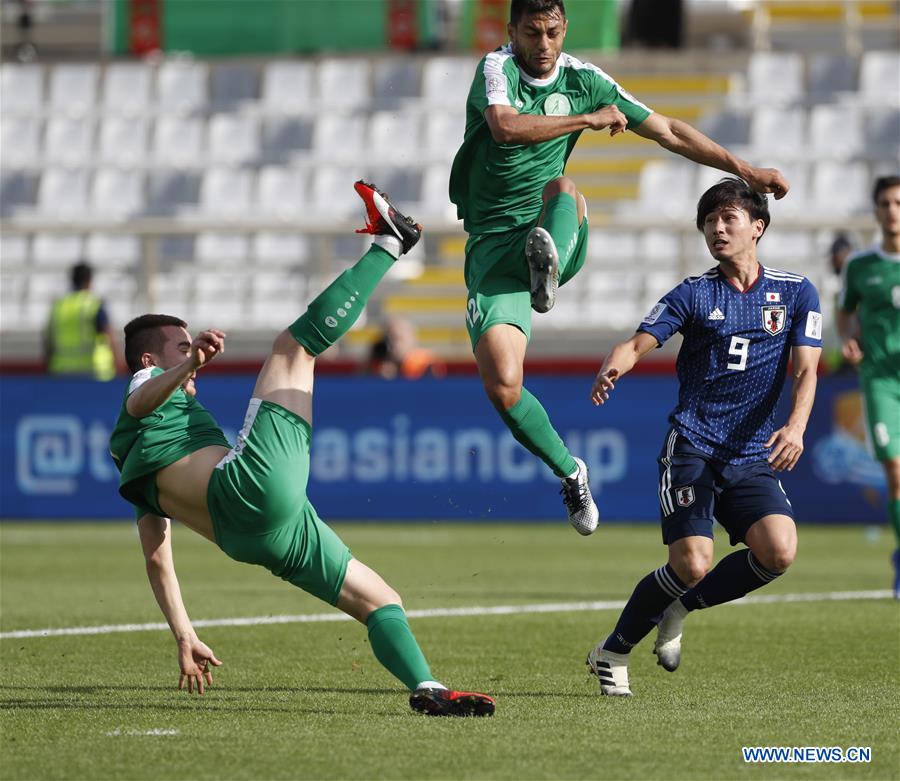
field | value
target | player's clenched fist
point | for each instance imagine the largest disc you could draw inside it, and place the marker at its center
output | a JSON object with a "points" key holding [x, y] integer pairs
{"points": [[608, 116], [206, 346]]}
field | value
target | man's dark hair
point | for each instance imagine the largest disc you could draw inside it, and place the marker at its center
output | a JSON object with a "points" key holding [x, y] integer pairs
{"points": [[82, 274], [737, 193], [143, 335], [883, 183], [519, 7]]}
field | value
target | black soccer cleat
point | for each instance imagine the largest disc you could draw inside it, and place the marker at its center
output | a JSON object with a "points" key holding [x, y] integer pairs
{"points": [[382, 219], [543, 266], [446, 702]]}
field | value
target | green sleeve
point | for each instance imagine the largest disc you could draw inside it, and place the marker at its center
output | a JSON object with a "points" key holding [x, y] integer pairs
{"points": [[607, 92]]}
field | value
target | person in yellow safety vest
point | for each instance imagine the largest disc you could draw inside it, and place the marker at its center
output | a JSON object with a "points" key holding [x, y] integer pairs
{"points": [[80, 339]]}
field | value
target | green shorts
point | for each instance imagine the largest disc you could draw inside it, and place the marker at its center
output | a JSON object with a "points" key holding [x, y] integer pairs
{"points": [[260, 513], [881, 395], [499, 282]]}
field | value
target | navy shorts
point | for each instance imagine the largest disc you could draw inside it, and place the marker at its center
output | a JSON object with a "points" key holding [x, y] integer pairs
{"points": [[696, 489]]}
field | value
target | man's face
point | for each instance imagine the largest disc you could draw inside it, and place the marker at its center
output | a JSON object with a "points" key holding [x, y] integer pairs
{"points": [[175, 351], [538, 40], [887, 211], [730, 232]]}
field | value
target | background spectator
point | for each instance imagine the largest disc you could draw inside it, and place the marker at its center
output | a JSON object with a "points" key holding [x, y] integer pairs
{"points": [[397, 354]]}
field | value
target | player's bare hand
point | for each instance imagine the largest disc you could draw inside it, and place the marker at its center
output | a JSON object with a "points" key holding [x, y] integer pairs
{"points": [[852, 352], [206, 346], [604, 382], [787, 447], [194, 658], [608, 116], [768, 180]]}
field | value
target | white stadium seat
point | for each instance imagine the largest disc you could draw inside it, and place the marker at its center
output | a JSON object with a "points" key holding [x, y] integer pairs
{"points": [[789, 248], [73, 89], [117, 194], [20, 141], [123, 141], [69, 141], [22, 88], [281, 192], [835, 132], [775, 77], [840, 188], [883, 132], [280, 249], [666, 189], [113, 250], [179, 142], [446, 82], [443, 135], [394, 137], [13, 250], [218, 248], [62, 193], [659, 247], [233, 139], [181, 86], [435, 196], [287, 88], [778, 131], [608, 247], [56, 249], [343, 84], [226, 192], [339, 138], [126, 88], [879, 77], [332, 192]]}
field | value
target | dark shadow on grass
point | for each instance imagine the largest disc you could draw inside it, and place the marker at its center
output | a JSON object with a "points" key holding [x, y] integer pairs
{"points": [[216, 687]]}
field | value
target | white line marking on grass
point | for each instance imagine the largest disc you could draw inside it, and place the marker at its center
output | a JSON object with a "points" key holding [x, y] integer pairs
{"points": [[119, 733], [440, 612]]}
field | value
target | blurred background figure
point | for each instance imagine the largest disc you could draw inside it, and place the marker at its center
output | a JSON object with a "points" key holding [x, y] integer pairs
{"points": [[840, 249], [80, 339], [397, 354]]}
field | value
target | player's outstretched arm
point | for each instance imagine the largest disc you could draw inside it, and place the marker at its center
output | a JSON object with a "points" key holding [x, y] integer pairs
{"points": [[194, 656], [508, 126], [619, 362], [787, 442], [157, 390], [682, 139]]}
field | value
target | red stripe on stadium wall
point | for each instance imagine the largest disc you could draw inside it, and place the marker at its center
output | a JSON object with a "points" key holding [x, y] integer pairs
{"points": [[144, 28]]}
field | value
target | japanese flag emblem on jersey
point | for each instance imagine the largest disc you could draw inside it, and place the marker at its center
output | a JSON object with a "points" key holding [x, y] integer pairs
{"points": [[684, 496], [774, 318], [773, 298]]}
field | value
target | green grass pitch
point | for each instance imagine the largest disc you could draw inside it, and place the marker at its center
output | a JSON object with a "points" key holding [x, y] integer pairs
{"points": [[307, 700]]}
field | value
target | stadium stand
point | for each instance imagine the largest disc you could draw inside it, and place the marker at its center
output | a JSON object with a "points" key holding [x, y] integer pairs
{"points": [[149, 169]]}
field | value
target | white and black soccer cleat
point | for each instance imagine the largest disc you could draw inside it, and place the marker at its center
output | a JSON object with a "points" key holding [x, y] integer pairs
{"points": [[580, 505], [612, 671], [383, 219], [543, 263], [668, 637]]}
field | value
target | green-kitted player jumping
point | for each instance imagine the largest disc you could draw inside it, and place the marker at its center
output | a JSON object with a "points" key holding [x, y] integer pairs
{"points": [[527, 223], [250, 499], [869, 325]]}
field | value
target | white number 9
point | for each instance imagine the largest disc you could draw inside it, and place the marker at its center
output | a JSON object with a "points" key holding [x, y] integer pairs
{"points": [[739, 348]]}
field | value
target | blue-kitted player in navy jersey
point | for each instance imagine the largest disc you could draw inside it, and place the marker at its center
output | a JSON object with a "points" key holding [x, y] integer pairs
{"points": [[740, 322]]}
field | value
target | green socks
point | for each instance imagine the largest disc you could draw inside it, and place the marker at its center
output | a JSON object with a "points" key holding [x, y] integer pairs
{"points": [[561, 222], [395, 647], [334, 311], [530, 425], [894, 515]]}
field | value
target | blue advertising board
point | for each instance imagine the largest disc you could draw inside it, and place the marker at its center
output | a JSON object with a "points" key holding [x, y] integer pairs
{"points": [[431, 449]]}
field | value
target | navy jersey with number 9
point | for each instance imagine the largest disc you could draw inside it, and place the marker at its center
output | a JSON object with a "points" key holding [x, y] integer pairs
{"points": [[734, 355]]}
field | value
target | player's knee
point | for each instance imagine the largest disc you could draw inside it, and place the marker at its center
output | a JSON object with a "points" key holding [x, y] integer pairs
{"points": [[892, 472], [692, 568], [779, 556], [285, 343], [562, 184], [504, 393]]}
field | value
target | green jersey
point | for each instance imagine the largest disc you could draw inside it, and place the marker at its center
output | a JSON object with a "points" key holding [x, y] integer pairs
{"points": [[871, 285], [142, 446], [497, 187]]}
